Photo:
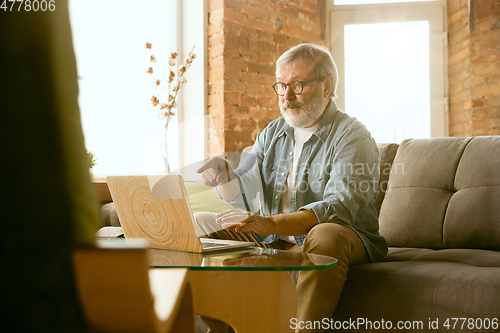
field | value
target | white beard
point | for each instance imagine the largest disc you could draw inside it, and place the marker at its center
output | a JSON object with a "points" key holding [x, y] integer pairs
{"points": [[303, 115]]}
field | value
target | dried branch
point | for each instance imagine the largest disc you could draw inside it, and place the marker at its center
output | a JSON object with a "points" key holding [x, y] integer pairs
{"points": [[173, 88]]}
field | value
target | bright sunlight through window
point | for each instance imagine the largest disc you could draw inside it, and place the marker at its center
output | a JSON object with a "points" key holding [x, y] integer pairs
{"points": [[387, 78], [117, 117]]}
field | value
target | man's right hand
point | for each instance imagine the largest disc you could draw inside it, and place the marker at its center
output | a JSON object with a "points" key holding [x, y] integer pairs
{"points": [[216, 171]]}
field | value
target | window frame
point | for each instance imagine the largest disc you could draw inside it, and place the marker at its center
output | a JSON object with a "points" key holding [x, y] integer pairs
{"points": [[432, 11]]}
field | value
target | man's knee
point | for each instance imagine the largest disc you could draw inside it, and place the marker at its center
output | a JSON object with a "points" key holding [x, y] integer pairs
{"points": [[328, 239], [204, 223], [204, 217]]}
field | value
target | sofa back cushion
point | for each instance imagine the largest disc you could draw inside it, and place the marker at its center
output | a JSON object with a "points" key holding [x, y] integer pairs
{"points": [[443, 193], [473, 216]]}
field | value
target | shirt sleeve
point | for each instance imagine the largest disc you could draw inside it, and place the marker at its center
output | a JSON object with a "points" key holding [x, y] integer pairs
{"points": [[249, 175], [354, 176]]}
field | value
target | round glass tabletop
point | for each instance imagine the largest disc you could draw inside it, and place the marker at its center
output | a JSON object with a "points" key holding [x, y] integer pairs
{"points": [[246, 259]]}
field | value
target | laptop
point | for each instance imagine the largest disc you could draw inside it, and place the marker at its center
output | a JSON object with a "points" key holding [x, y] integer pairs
{"points": [[157, 208]]}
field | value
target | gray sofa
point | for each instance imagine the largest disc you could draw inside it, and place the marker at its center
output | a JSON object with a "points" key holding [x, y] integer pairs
{"points": [[441, 218]]}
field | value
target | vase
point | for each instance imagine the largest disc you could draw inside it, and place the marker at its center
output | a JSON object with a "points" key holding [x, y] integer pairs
{"points": [[164, 156]]}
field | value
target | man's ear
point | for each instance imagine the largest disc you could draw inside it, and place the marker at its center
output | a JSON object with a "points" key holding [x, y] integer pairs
{"points": [[328, 86]]}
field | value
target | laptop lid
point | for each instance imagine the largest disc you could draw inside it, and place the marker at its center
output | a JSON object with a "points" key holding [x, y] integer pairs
{"points": [[156, 207]]}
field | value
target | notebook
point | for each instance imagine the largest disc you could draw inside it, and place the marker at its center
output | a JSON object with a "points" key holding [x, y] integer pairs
{"points": [[157, 208]]}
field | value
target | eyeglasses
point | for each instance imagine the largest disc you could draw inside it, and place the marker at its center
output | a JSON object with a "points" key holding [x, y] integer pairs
{"points": [[297, 87]]}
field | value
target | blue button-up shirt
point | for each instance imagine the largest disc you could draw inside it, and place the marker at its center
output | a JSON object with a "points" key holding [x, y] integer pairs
{"points": [[337, 176]]}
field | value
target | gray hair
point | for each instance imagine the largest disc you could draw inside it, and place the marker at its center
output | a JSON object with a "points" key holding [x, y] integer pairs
{"points": [[319, 57]]}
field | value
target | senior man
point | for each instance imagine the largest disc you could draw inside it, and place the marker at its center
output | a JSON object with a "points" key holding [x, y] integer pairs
{"points": [[308, 184]]}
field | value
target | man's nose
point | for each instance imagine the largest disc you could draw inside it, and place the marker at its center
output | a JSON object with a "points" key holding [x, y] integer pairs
{"points": [[289, 95]]}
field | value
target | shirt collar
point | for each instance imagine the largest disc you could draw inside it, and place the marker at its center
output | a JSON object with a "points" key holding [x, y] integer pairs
{"points": [[325, 124]]}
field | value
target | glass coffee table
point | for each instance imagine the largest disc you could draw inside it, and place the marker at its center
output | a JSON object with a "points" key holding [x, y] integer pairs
{"points": [[251, 289]]}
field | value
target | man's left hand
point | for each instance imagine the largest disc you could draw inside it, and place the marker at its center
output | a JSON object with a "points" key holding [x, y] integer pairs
{"points": [[243, 221]]}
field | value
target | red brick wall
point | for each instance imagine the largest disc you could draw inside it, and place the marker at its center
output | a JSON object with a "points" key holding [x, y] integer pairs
{"points": [[474, 67], [459, 76], [245, 38], [485, 69]]}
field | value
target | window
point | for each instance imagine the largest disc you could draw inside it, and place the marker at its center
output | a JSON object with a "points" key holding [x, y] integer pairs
{"points": [[392, 73], [119, 123]]}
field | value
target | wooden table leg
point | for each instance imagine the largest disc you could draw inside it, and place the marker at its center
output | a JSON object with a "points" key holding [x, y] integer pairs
{"points": [[249, 301]]}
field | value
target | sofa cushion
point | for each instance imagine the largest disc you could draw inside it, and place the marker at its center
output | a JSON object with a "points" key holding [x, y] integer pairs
{"points": [[427, 163], [444, 193], [478, 258], [413, 217], [473, 216], [109, 217], [419, 289]]}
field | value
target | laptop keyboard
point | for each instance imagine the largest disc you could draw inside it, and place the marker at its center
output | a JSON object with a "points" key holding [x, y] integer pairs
{"points": [[207, 245]]}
